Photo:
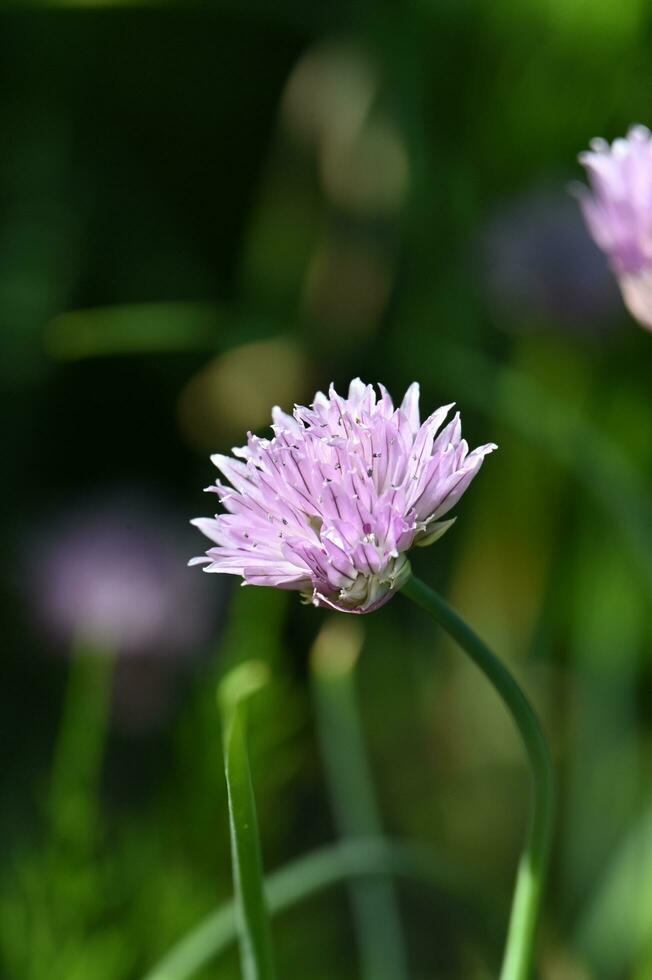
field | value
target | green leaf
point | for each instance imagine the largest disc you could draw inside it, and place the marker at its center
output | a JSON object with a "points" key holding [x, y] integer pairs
{"points": [[256, 955], [314, 873]]}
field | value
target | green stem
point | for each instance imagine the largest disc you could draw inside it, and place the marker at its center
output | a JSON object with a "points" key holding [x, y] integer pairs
{"points": [[350, 783], [533, 866], [79, 750]]}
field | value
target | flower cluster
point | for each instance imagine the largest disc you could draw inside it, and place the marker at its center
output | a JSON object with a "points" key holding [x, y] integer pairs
{"points": [[331, 504], [619, 213]]}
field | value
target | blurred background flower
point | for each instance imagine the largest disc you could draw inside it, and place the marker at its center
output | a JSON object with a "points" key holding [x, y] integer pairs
{"points": [[541, 269], [113, 575], [110, 578]]}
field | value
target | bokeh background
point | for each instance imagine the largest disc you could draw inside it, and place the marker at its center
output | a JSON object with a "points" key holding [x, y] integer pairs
{"points": [[209, 209]]}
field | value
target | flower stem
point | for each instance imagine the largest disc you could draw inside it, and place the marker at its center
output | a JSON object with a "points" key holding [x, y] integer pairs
{"points": [[79, 749], [533, 866]]}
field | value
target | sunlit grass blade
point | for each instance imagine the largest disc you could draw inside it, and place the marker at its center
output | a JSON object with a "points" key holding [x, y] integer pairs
{"points": [[79, 750], [375, 909], [256, 954], [363, 858]]}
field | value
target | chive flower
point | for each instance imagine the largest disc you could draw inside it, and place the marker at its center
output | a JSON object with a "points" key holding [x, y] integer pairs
{"points": [[332, 503], [619, 213], [112, 574]]}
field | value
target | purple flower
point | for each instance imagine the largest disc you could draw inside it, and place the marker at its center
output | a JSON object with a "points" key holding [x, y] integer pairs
{"points": [[331, 504], [619, 213], [112, 575], [541, 268]]}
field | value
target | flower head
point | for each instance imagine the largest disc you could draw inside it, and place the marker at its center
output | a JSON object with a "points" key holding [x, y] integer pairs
{"points": [[619, 213], [331, 504], [112, 575]]}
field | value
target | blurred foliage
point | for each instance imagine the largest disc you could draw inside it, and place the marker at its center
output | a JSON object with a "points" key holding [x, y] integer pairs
{"points": [[209, 208]]}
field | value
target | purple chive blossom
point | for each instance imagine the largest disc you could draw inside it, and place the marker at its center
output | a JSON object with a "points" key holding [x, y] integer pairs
{"points": [[331, 504], [112, 575], [619, 213]]}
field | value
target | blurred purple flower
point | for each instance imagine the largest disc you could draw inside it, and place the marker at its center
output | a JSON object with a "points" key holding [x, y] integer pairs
{"points": [[331, 504], [619, 213], [116, 576], [540, 265]]}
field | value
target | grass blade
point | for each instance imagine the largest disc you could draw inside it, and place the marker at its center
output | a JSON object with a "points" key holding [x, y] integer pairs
{"points": [[311, 874], [375, 909], [254, 931], [79, 751]]}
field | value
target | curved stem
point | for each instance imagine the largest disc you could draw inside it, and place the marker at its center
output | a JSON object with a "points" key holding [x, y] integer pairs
{"points": [[533, 866]]}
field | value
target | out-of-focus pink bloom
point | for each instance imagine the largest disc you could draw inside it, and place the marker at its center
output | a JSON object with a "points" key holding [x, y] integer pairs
{"points": [[116, 577], [619, 213], [541, 268], [331, 504]]}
